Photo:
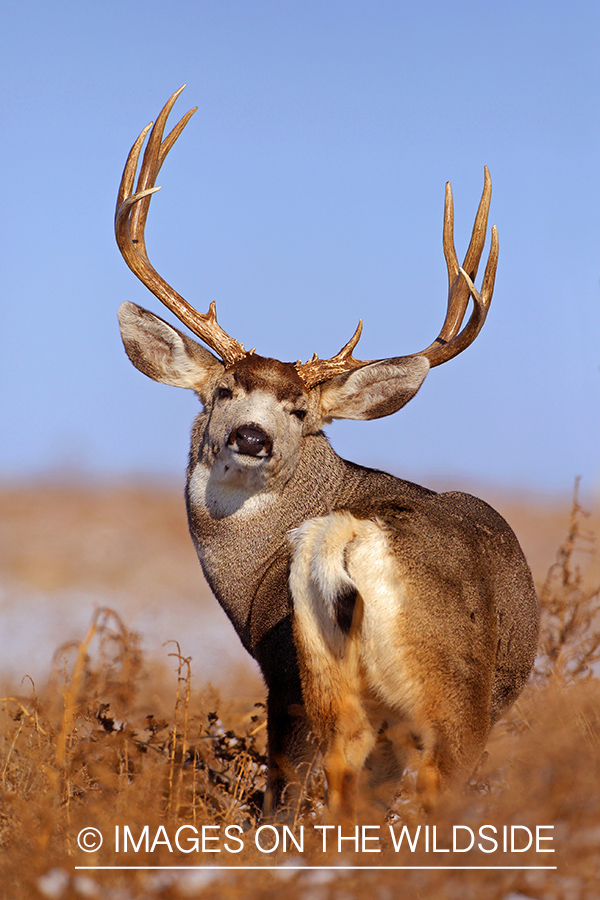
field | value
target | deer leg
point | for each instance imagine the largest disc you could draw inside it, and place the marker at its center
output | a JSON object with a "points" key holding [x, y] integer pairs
{"points": [[291, 752], [291, 745], [429, 784], [387, 762], [448, 760], [352, 741]]}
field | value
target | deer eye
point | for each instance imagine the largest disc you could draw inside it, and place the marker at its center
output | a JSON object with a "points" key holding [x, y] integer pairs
{"points": [[299, 413], [224, 393]]}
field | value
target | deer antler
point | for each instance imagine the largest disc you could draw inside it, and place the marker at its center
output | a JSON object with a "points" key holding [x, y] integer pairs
{"points": [[451, 340], [130, 220], [317, 370]]}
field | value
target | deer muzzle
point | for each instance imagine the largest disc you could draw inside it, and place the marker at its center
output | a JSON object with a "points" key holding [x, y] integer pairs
{"points": [[250, 440]]}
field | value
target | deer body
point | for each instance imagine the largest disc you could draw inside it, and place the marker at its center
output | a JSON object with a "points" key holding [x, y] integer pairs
{"points": [[474, 643], [369, 603]]}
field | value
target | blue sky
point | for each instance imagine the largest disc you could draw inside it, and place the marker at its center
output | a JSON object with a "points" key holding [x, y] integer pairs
{"points": [[306, 192]]}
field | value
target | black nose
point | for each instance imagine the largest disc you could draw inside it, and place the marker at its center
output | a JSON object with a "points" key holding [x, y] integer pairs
{"points": [[251, 440]]}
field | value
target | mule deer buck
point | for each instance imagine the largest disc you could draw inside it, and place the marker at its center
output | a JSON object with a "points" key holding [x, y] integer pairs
{"points": [[366, 600]]}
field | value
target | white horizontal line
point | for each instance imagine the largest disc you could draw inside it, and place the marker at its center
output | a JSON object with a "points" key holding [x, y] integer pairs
{"points": [[328, 868]]}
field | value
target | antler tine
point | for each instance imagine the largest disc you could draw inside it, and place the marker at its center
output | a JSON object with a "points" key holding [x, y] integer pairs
{"points": [[460, 281], [476, 245], [317, 370], [154, 156], [130, 221]]}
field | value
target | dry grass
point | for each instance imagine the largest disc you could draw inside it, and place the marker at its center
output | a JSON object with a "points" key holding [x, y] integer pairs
{"points": [[570, 634], [113, 740]]}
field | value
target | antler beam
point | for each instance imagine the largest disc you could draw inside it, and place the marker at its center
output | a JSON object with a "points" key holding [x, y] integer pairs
{"points": [[130, 221]]}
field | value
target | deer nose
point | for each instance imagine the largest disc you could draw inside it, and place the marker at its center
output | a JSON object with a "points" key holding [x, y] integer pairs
{"points": [[251, 440]]}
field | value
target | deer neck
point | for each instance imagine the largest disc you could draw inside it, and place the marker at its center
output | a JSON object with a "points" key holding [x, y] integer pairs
{"points": [[242, 545]]}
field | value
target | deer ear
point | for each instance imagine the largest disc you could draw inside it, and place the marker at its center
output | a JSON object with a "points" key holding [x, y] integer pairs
{"points": [[373, 391], [162, 352]]}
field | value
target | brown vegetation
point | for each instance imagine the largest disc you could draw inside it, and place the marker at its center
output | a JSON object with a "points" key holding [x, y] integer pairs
{"points": [[115, 739]]}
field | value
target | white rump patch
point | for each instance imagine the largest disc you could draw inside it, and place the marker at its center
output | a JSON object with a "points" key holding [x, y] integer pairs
{"points": [[330, 555]]}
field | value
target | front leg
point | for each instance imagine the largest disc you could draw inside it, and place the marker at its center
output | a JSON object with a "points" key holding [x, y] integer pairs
{"points": [[292, 751], [291, 746]]}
